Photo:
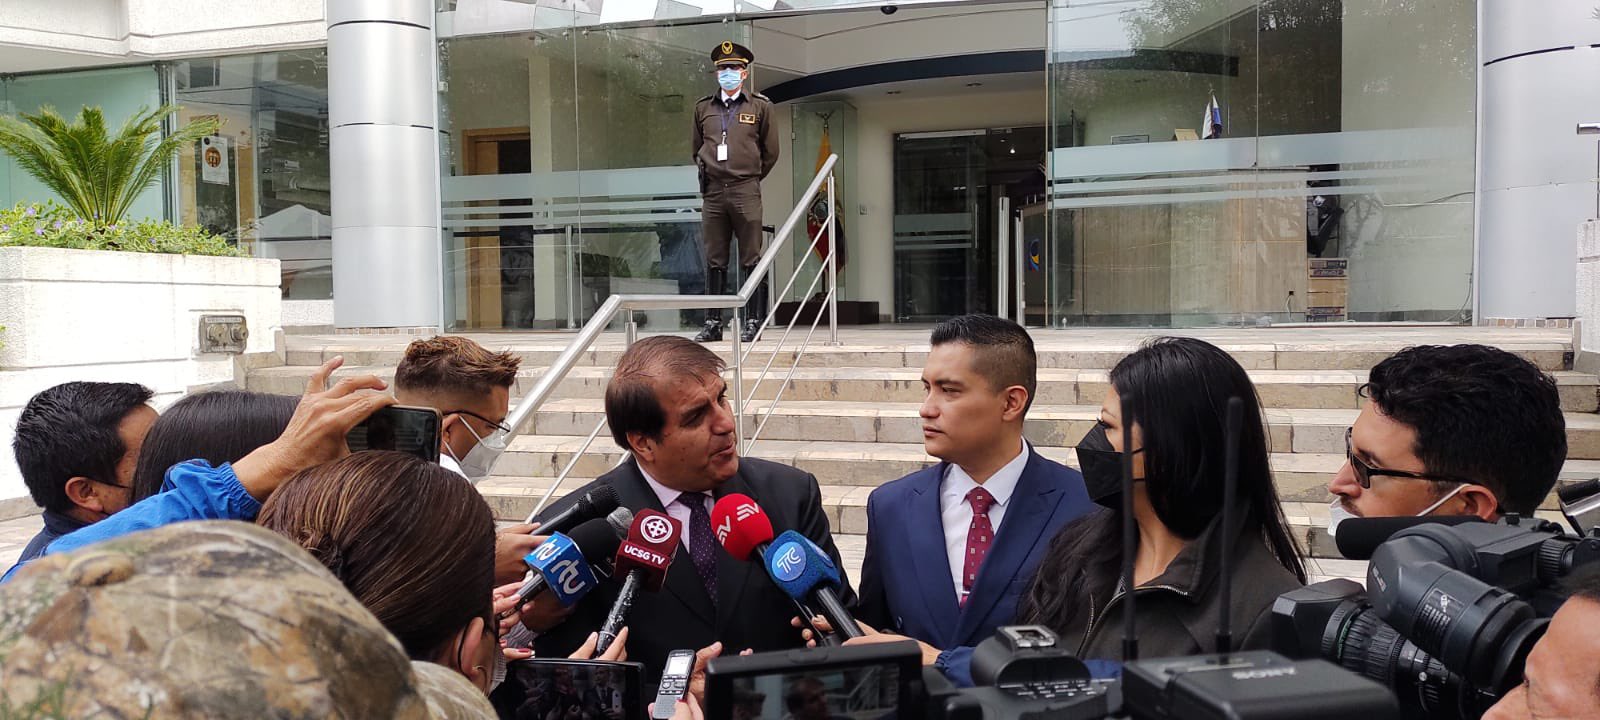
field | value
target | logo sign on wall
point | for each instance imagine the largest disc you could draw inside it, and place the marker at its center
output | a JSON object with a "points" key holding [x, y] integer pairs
{"points": [[214, 160]]}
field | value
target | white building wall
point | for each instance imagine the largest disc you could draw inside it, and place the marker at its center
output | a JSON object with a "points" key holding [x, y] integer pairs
{"points": [[121, 317], [56, 34]]}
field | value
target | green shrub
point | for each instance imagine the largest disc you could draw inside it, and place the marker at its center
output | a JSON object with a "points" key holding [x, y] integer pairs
{"points": [[51, 225]]}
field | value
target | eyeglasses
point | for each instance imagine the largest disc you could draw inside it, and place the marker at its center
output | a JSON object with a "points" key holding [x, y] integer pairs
{"points": [[498, 426], [1365, 472]]}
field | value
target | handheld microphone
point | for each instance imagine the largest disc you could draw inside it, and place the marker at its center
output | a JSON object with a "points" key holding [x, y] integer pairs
{"points": [[1359, 537], [597, 503], [561, 565], [652, 541], [745, 532], [802, 570]]}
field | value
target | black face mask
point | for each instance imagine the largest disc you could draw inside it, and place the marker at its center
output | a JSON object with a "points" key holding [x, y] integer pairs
{"points": [[1102, 468]]}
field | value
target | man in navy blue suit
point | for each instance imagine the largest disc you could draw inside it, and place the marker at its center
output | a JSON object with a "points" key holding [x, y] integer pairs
{"points": [[951, 548]]}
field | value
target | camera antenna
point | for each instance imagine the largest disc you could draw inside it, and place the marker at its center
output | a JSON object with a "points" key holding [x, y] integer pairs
{"points": [[1230, 489], [1130, 535]]}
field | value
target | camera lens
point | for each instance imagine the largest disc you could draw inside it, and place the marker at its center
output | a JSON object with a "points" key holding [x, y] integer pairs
{"points": [[1424, 687]]}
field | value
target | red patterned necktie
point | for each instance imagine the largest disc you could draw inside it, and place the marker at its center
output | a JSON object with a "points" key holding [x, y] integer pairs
{"points": [[980, 535]]}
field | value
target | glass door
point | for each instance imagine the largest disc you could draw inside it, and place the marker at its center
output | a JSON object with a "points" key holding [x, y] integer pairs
{"points": [[943, 235]]}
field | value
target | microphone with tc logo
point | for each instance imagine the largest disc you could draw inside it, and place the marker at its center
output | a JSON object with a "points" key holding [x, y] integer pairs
{"points": [[745, 532], [644, 557]]}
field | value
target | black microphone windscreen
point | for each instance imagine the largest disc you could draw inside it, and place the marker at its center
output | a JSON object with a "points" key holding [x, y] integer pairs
{"points": [[1573, 492], [1359, 537], [602, 500], [597, 539]]}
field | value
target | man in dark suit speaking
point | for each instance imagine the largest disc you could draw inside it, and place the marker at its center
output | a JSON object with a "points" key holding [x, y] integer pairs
{"points": [[951, 548], [668, 404]]}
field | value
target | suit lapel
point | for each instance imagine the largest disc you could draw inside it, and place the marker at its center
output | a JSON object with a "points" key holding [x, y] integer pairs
{"points": [[1027, 515], [732, 574], [925, 539], [683, 582]]}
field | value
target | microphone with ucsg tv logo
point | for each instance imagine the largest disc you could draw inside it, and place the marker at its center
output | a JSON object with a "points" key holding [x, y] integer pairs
{"points": [[560, 564], [745, 532], [645, 556], [803, 571]]}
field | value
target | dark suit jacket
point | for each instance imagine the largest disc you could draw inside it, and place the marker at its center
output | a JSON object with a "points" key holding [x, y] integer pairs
{"points": [[905, 579], [752, 612]]}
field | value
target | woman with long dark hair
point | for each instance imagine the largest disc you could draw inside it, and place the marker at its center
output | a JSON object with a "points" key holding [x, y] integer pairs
{"points": [[1178, 391], [218, 427]]}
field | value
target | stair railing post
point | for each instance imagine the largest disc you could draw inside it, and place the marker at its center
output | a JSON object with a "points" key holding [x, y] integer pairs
{"points": [[738, 387]]}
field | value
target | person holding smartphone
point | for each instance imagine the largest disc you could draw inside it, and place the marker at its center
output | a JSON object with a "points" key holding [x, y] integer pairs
{"points": [[470, 386]]}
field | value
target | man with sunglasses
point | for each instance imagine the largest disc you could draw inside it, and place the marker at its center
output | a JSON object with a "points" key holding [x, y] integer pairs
{"points": [[76, 445], [1451, 430], [471, 388]]}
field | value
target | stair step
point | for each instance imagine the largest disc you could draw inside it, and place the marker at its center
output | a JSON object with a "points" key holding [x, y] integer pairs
{"points": [[1291, 430], [1326, 389], [1275, 349]]}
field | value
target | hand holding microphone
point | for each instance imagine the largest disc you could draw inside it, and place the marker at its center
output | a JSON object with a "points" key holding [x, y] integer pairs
{"points": [[798, 567], [643, 559]]}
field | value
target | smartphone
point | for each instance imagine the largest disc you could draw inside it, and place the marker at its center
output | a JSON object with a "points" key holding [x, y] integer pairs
{"points": [[411, 430], [561, 688]]}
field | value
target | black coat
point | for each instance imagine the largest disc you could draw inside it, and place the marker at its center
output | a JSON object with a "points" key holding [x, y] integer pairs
{"points": [[1178, 611], [752, 612]]}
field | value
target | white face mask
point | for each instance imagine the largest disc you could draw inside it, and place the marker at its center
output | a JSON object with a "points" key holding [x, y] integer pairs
{"points": [[481, 458], [1338, 514], [498, 675]]}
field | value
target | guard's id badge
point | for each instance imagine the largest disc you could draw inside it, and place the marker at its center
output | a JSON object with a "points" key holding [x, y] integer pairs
{"points": [[722, 152], [747, 118]]}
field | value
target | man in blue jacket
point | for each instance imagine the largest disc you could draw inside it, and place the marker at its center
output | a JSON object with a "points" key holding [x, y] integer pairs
{"points": [[951, 548]]}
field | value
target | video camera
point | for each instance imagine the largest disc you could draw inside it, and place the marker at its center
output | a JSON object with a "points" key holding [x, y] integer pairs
{"points": [[1449, 613]]}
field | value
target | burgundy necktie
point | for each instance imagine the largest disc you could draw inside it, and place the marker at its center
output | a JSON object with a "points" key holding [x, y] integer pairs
{"points": [[702, 542], [980, 535]]}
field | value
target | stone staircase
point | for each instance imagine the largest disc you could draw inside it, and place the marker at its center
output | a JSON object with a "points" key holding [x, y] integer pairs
{"points": [[850, 417]]}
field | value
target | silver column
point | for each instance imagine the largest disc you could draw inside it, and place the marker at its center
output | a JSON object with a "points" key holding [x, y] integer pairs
{"points": [[1540, 78], [384, 158]]}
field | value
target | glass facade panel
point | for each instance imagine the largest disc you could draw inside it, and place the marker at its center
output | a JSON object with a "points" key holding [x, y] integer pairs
{"points": [[118, 92], [1208, 162], [569, 176], [1236, 162], [262, 180]]}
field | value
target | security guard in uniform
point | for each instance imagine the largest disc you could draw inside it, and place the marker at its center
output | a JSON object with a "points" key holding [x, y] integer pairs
{"points": [[735, 147]]}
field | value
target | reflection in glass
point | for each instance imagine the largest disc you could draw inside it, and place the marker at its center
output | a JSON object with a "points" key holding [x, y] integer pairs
{"points": [[1346, 143], [262, 181], [569, 176]]}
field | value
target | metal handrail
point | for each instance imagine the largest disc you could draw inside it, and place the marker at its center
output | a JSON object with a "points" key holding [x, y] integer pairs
{"points": [[608, 310]]}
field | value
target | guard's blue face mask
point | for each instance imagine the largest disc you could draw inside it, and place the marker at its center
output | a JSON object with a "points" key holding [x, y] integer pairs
{"points": [[730, 79]]}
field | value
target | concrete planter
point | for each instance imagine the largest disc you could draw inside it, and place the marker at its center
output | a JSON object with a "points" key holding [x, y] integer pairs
{"points": [[122, 317]]}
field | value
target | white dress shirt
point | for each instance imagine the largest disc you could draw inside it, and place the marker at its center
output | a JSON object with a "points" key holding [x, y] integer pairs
{"points": [[676, 510], [956, 512], [449, 463], [728, 99]]}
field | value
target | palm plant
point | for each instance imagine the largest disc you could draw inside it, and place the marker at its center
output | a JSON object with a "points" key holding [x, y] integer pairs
{"points": [[97, 175]]}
